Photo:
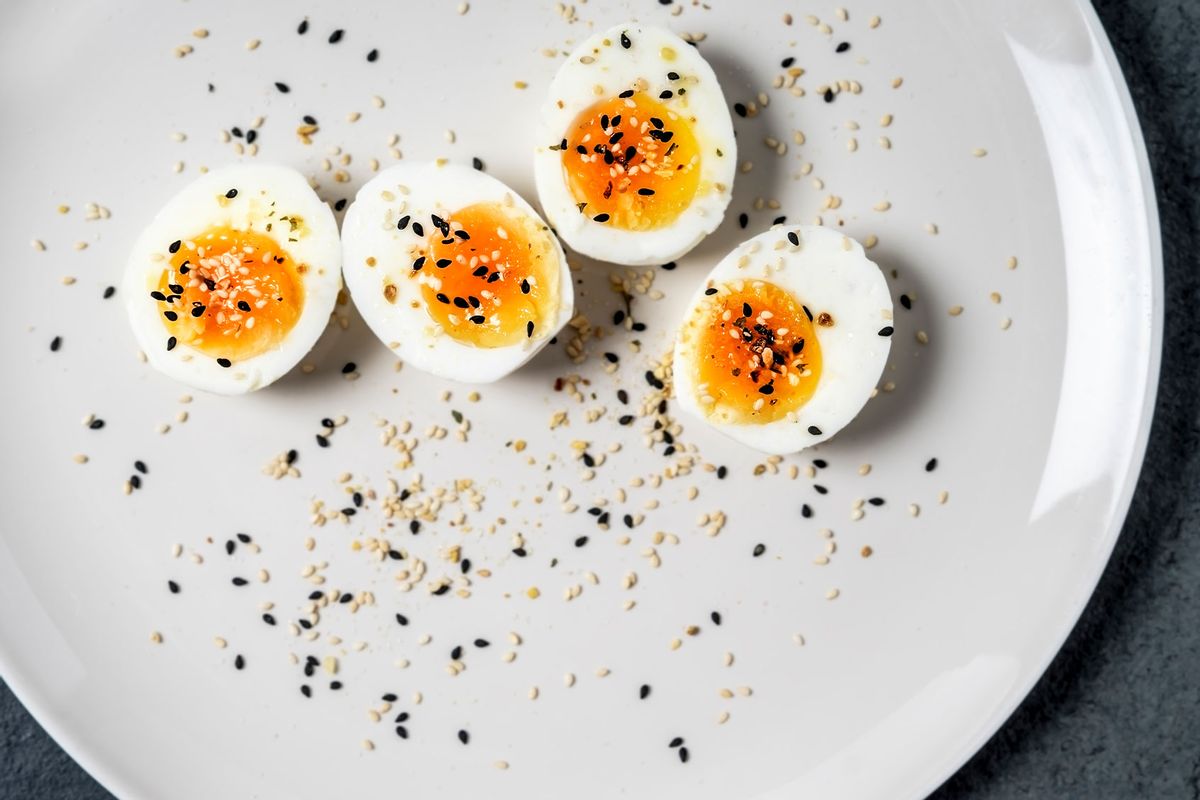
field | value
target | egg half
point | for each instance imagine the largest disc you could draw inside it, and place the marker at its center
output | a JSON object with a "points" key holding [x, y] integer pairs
{"points": [[454, 271], [783, 344], [235, 279], [635, 156]]}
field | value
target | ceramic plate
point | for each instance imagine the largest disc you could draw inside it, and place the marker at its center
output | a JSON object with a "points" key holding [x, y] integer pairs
{"points": [[1011, 142]]}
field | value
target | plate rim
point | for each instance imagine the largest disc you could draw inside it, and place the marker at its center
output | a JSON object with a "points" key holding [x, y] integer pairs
{"points": [[118, 784]]}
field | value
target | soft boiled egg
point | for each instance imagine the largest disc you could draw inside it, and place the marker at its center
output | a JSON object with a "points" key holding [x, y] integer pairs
{"points": [[454, 271], [635, 157], [783, 344], [235, 279]]}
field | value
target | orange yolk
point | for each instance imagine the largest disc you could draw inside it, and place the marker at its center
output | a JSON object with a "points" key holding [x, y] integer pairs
{"points": [[757, 352], [631, 162], [489, 275], [230, 294]]}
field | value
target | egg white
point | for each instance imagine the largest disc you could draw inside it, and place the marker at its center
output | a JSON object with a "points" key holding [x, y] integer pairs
{"points": [[599, 68], [827, 271], [265, 193], [369, 231]]}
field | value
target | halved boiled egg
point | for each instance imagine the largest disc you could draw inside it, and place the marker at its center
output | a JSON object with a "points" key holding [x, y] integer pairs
{"points": [[783, 344], [454, 271], [235, 279], [635, 157]]}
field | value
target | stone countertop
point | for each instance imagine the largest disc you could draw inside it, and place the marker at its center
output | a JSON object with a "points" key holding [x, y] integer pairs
{"points": [[1117, 715]]}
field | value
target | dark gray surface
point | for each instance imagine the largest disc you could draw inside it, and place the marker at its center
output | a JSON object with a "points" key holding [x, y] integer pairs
{"points": [[1117, 715]]}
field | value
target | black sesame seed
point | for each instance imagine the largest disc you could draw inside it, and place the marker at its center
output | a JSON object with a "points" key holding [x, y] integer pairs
{"points": [[441, 590], [96, 424], [722, 471], [303, 29], [886, 330], [820, 463], [336, 36], [456, 653], [787, 62], [906, 301], [829, 95], [743, 220], [529, 329], [243, 306], [519, 552], [357, 498], [581, 541], [715, 617], [135, 481], [625, 41], [283, 87], [403, 620], [236, 131], [793, 238], [414, 527], [931, 465], [239, 662], [109, 291], [305, 690], [198, 311], [806, 511], [814, 430], [335, 685], [373, 55], [390, 698], [173, 587], [645, 192], [322, 440], [639, 326], [225, 362], [477, 163], [644, 691], [174, 246], [820, 489], [842, 47], [349, 367], [666, 94], [482, 643], [626, 94], [710, 291], [676, 742], [600, 218], [759, 549], [683, 755], [340, 204], [402, 731], [239, 581], [269, 619], [55, 343], [232, 193], [739, 109], [230, 546], [876, 501], [626, 419], [628, 520]]}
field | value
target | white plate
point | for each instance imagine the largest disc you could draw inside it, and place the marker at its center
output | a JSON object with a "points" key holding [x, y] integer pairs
{"points": [[1038, 429]]}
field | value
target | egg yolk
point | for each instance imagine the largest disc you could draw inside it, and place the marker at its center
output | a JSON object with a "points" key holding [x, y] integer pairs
{"points": [[757, 354], [489, 275], [632, 163], [230, 294]]}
